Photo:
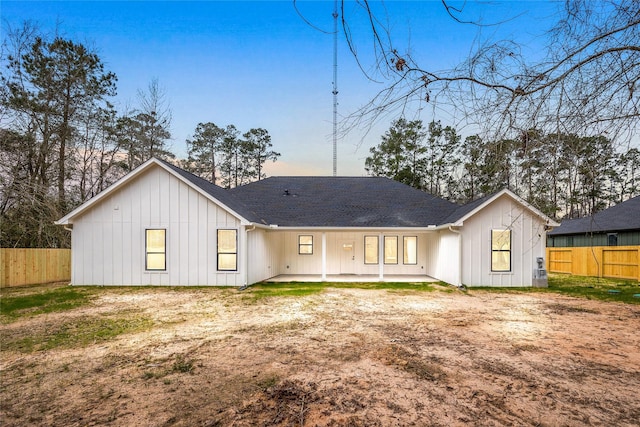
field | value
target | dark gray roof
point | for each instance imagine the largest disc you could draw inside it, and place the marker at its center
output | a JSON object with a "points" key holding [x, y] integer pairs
{"points": [[219, 193], [318, 201], [342, 202], [624, 216], [461, 211]]}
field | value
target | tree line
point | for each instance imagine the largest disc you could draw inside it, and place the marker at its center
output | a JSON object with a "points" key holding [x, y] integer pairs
{"points": [[62, 140], [564, 175]]}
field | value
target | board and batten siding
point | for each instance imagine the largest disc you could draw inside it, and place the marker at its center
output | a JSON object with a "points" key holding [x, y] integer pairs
{"points": [[263, 255], [528, 238], [108, 240], [445, 257]]}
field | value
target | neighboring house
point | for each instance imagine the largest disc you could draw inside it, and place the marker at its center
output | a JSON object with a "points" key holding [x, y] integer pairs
{"points": [[606, 244], [161, 225]]}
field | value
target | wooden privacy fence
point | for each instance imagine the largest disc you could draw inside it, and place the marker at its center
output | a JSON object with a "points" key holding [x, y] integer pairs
{"points": [[31, 266], [620, 262]]}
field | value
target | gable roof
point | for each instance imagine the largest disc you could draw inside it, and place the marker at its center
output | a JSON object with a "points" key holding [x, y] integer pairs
{"points": [[464, 212], [207, 189], [220, 194], [621, 217], [342, 202]]}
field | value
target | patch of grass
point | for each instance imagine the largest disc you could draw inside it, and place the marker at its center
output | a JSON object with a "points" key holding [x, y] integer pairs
{"points": [[585, 287], [77, 333], [295, 289], [290, 289], [47, 301], [563, 308], [183, 365], [268, 381]]}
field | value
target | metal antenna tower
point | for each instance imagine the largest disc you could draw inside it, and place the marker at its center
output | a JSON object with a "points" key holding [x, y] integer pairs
{"points": [[335, 87]]}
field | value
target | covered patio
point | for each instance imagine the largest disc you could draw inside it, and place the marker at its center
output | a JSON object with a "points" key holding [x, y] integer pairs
{"points": [[342, 278]]}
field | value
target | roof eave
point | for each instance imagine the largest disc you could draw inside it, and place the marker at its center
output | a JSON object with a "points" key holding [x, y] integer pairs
{"points": [[68, 219], [548, 221], [276, 227]]}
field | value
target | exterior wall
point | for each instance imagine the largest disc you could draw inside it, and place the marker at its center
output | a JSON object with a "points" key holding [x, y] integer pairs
{"points": [[263, 254], [108, 241], [528, 238], [444, 260], [289, 261]]}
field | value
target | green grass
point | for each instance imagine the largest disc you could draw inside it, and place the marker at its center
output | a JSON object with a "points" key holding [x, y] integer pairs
{"points": [[77, 333], [295, 289], [585, 287], [47, 301]]}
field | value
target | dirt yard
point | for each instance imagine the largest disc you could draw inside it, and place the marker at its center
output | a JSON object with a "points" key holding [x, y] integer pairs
{"points": [[344, 357]]}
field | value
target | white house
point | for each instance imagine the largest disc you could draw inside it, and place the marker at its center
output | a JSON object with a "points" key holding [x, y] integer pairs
{"points": [[161, 225]]}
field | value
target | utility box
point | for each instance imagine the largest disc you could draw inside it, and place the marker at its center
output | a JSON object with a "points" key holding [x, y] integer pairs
{"points": [[540, 274]]}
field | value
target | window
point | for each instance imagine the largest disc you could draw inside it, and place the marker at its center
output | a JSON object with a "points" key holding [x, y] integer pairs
{"points": [[410, 245], [305, 245], [155, 250], [390, 249], [612, 239], [370, 249], [500, 250], [227, 250]]}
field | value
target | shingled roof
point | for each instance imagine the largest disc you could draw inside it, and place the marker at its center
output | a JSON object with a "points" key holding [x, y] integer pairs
{"points": [[342, 202], [624, 216], [217, 192], [316, 201]]}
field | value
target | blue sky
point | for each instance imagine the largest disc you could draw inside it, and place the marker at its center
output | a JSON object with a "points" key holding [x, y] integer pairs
{"points": [[258, 64]]}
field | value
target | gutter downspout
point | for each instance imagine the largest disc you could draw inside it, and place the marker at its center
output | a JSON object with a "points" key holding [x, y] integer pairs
{"points": [[70, 229], [246, 257], [459, 285]]}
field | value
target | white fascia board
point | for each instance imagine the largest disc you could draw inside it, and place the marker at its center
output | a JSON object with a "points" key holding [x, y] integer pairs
{"points": [[243, 220], [66, 220], [274, 227], [515, 197]]}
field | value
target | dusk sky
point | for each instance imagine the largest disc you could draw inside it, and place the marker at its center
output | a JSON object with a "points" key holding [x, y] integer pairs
{"points": [[259, 64]]}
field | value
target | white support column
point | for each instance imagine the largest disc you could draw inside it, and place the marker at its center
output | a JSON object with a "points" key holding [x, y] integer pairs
{"points": [[380, 257], [324, 256]]}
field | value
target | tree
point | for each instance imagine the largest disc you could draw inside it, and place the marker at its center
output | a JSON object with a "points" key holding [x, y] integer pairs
{"points": [[424, 158], [238, 160], [230, 152], [584, 81], [98, 161], [203, 149], [441, 160], [400, 154], [144, 132], [54, 93], [55, 83], [258, 146], [628, 177]]}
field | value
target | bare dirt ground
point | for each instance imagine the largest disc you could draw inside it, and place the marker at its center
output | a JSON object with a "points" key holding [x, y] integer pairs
{"points": [[345, 357]]}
